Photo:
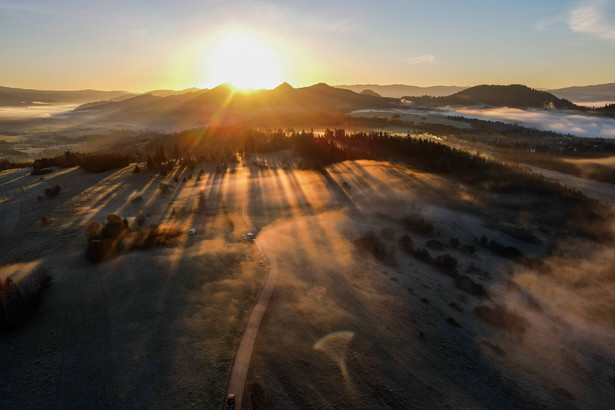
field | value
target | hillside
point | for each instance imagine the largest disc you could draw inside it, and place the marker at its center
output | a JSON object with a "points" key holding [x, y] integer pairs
{"points": [[224, 104], [22, 97], [370, 92], [399, 90], [589, 93], [515, 95]]}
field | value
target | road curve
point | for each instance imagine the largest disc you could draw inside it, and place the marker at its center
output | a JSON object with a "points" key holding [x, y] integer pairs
{"points": [[239, 374]]}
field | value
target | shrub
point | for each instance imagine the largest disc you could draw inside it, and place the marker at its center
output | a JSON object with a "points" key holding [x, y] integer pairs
{"points": [[435, 245], [164, 188], [371, 243], [137, 169], [114, 227], [466, 284], [415, 222], [447, 264], [406, 244], [40, 171], [53, 192], [155, 236], [100, 250], [137, 199], [504, 251], [201, 201], [422, 254], [19, 301], [258, 398], [140, 219], [44, 220], [105, 241], [500, 317], [92, 232], [387, 233]]}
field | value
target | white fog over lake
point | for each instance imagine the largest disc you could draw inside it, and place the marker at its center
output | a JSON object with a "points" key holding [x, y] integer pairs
{"points": [[562, 121], [34, 111]]}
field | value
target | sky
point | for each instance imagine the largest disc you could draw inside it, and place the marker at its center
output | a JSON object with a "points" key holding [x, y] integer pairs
{"points": [[155, 44]]}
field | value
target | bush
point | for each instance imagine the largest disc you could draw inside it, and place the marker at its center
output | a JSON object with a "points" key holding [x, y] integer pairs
{"points": [[435, 245], [154, 236], [137, 199], [422, 254], [114, 227], [44, 220], [137, 169], [415, 222], [500, 317], [53, 192], [258, 398], [104, 242], [40, 171], [201, 201], [387, 233], [371, 243], [164, 188], [454, 243], [447, 264], [466, 284], [19, 301], [505, 251], [140, 219], [100, 250], [406, 244]]}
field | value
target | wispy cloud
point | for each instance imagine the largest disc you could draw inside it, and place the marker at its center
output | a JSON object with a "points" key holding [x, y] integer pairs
{"points": [[427, 58], [550, 21], [20, 7], [595, 17]]}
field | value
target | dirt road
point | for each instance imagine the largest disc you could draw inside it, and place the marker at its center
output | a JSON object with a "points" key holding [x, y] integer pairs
{"points": [[602, 191], [243, 356]]}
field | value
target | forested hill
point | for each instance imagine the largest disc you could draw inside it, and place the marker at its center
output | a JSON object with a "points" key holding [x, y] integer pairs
{"points": [[515, 95]]}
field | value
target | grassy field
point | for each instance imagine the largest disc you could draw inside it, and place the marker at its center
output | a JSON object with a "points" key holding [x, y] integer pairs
{"points": [[148, 329], [359, 319]]}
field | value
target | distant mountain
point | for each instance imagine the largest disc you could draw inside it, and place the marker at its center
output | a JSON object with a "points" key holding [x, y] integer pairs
{"points": [[166, 93], [399, 90], [23, 97], [589, 93], [283, 104], [516, 95], [370, 93]]}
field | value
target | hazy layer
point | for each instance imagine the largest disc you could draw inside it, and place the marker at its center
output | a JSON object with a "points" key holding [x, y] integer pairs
{"points": [[567, 122], [34, 111]]}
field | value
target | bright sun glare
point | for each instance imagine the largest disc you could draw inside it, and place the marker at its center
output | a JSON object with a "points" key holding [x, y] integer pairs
{"points": [[244, 61]]}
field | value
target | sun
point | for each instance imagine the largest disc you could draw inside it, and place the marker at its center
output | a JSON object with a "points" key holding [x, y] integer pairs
{"points": [[245, 61]]}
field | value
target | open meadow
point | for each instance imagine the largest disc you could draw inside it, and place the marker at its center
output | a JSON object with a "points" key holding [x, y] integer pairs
{"points": [[396, 288]]}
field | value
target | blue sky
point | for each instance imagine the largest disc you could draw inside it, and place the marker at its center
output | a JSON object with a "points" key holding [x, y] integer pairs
{"points": [[141, 45]]}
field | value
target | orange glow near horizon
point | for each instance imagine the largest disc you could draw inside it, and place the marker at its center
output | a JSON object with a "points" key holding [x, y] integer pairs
{"points": [[243, 60]]}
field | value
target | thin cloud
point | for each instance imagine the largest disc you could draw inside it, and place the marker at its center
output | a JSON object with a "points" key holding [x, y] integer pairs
{"points": [[19, 7], [595, 17], [427, 58], [550, 21]]}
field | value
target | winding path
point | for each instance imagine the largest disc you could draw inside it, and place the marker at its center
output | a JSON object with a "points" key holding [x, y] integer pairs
{"points": [[243, 356]]}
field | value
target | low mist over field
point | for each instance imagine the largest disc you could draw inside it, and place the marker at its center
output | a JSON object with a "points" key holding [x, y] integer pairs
{"points": [[565, 122]]}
